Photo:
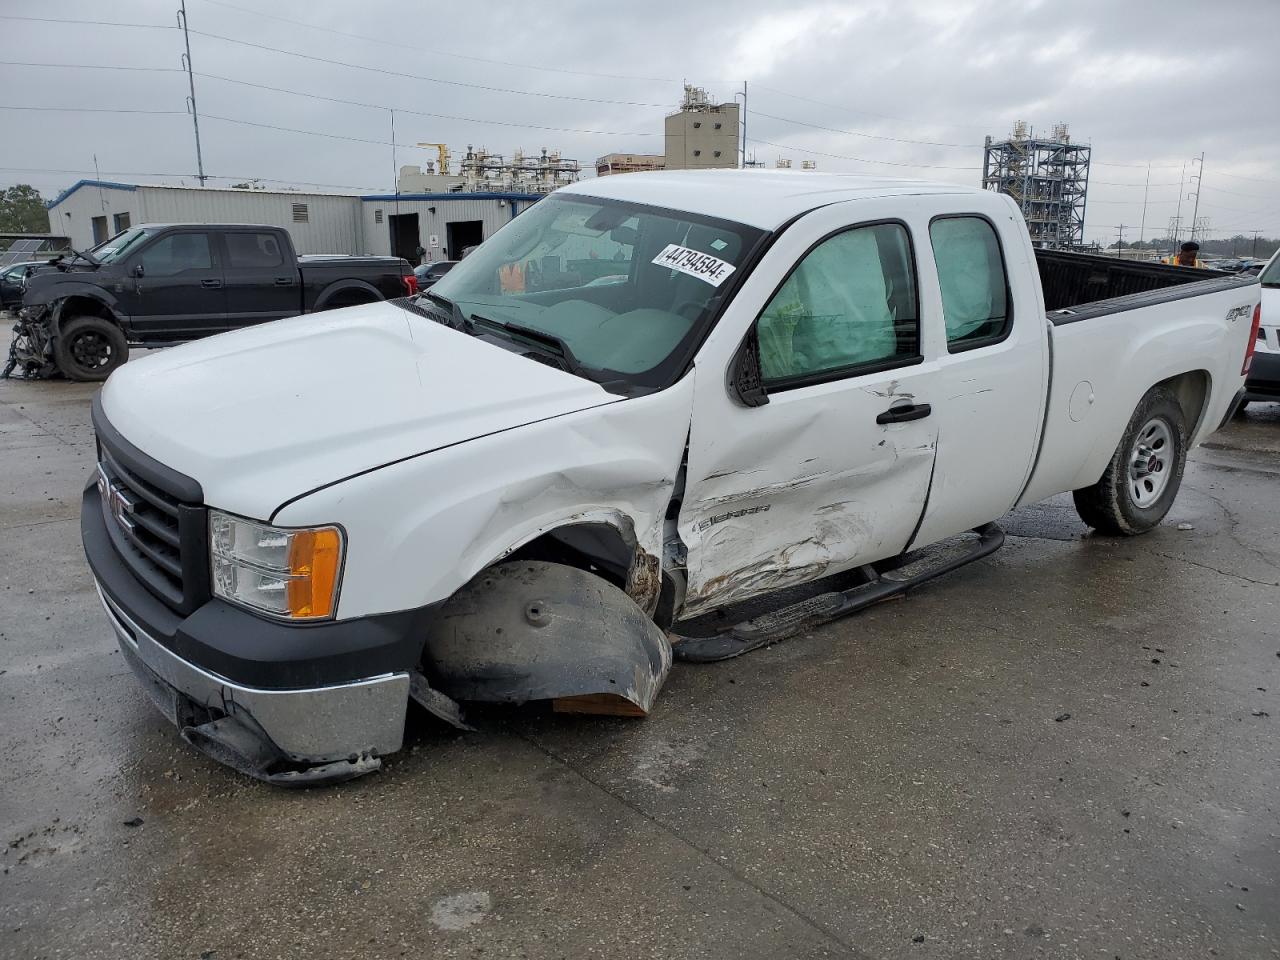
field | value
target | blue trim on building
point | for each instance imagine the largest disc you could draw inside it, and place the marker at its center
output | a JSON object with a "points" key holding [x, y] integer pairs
{"points": [[105, 184], [453, 196]]}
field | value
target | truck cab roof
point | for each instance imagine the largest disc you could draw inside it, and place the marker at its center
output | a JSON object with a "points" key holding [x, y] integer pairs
{"points": [[759, 198]]}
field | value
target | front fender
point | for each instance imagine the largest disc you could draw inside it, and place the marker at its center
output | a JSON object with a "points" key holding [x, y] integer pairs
{"points": [[54, 293], [418, 529]]}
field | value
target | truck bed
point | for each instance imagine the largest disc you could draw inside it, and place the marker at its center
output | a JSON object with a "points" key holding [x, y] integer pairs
{"points": [[1071, 280]]}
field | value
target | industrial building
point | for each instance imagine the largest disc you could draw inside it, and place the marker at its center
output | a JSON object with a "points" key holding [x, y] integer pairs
{"points": [[701, 135], [483, 172], [441, 223], [612, 163], [1049, 179]]}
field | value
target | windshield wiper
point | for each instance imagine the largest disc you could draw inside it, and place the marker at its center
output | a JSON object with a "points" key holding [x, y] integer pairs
{"points": [[447, 312], [547, 342], [92, 261]]}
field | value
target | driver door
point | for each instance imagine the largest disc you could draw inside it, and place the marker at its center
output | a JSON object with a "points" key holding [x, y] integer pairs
{"points": [[178, 294], [834, 469]]}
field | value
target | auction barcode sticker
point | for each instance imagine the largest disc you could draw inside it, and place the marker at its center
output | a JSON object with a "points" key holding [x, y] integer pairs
{"points": [[695, 263]]}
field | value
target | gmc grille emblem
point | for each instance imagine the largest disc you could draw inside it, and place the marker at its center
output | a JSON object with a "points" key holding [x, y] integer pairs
{"points": [[117, 501]]}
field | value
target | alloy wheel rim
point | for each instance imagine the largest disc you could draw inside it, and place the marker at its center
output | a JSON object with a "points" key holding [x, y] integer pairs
{"points": [[91, 350], [1150, 462]]}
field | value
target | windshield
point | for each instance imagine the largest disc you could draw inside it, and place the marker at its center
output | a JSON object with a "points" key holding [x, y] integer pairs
{"points": [[1271, 276], [627, 289], [119, 245]]}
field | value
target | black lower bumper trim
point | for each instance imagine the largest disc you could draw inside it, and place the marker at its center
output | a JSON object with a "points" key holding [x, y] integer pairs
{"points": [[1264, 378]]}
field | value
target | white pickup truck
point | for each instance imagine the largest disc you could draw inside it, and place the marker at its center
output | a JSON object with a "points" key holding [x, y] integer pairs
{"points": [[659, 414]]}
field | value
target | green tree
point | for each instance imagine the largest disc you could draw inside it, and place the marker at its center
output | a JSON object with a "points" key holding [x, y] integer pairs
{"points": [[22, 210]]}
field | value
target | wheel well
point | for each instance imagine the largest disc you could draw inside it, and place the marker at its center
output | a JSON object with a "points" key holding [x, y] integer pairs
{"points": [[80, 306], [596, 547], [1191, 389], [604, 550], [350, 297]]}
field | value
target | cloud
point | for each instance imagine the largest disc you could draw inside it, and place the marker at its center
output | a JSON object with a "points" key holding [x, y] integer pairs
{"points": [[1142, 82]]}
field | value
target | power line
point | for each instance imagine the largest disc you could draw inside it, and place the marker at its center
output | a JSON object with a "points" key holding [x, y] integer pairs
{"points": [[1236, 176], [1108, 183], [89, 66], [309, 133], [869, 136], [837, 156], [417, 48], [422, 113], [6, 106], [93, 23], [416, 76], [191, 175], [865, 113]]}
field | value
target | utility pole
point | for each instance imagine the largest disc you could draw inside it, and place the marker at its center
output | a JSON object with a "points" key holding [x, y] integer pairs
{"points": [[102, 200], [1177, 218], [1120, 242], [1254, 254], [1199, 179], [1143, 227], [191, 83], [395, 172], [743, 95]]}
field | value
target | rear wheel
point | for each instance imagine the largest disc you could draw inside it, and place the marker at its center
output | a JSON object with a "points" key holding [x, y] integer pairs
{"points": [[1141, 481], [89, 348]]}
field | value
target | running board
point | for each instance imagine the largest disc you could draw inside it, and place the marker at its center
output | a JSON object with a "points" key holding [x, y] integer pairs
{"points": [[776, 625]]}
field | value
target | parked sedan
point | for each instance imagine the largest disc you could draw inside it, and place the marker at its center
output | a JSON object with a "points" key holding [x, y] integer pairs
{"points": [[13, 282], [429, 273]]}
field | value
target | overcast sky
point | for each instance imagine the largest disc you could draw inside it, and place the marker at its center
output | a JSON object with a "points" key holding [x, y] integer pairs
{"points": [[1143, 82]]}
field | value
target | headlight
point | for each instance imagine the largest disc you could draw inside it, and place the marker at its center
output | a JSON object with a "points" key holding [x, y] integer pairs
{"points": [[285, 572]]}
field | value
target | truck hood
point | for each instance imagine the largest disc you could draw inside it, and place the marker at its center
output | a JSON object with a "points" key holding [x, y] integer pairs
{"points": [[264, 415]]}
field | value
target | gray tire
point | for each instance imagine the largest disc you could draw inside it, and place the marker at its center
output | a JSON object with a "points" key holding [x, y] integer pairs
{"points": [[1142, 479]]}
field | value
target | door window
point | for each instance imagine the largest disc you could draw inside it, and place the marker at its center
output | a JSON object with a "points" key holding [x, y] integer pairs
{"points": [[971, 275], [253, 250], [848, 307], [175, 253]]}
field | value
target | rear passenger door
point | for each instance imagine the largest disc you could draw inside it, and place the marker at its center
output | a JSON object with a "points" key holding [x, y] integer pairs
{"points": [[991, 365], [261, 277], [834, 469]]}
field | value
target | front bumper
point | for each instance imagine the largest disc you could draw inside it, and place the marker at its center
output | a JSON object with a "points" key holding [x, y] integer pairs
{"points": [[1264, 377], [291, 737]]}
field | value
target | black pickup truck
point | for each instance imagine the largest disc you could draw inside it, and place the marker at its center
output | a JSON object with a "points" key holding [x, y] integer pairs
{"points": [[159, 284]]}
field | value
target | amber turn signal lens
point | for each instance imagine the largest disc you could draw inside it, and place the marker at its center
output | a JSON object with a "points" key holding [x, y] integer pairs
{"points": [[314, 559]]}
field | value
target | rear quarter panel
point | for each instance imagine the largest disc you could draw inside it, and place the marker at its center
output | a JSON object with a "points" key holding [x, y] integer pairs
{"points": [[1102, 367]]}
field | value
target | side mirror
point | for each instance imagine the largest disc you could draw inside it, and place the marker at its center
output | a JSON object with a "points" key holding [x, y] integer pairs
{"points": [[138, 271], [746, 385]]}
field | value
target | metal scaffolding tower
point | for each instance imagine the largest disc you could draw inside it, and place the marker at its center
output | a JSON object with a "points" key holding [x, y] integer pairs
{"points": [[1049, 179]]}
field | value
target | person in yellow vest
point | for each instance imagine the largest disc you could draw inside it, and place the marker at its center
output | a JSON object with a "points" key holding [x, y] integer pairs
{"points": [[1187, 256]]}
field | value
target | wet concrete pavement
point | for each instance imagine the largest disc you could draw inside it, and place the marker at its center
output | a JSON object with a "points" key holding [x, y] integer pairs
{"points": [[1067, 750]]}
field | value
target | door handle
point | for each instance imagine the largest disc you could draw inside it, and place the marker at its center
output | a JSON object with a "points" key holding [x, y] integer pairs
{"points": [[212, 284], [284, 281], [905, 413]]}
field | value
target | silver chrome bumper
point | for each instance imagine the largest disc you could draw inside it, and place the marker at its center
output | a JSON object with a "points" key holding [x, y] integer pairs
{"points": [[309, 726]]}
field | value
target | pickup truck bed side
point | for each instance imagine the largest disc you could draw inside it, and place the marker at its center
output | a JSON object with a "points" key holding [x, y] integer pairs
{"points": [[1110, 353]]}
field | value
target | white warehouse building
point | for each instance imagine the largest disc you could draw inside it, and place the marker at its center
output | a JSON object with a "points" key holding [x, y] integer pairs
{"points": [[441, 224]]}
